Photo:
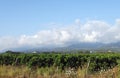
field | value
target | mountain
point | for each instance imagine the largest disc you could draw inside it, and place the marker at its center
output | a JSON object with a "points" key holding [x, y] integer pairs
{"points": [[75, 46], [112, 46]]}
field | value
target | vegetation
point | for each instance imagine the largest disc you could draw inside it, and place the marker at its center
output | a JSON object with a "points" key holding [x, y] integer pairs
{"points": [[55, 65]]}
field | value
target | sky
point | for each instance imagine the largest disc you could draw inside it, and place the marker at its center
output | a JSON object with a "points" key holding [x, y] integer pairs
{"points": [[58, 22]]}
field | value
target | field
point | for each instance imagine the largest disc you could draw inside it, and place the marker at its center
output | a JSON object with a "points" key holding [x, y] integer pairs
{"points": [[59, 65]]}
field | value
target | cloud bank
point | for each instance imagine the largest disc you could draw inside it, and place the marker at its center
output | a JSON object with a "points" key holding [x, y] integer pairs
{"points": [[90, 31]]}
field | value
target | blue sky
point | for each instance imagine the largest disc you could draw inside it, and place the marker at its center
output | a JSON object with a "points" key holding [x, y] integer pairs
{"points": [[58, 22], [29, 16]]}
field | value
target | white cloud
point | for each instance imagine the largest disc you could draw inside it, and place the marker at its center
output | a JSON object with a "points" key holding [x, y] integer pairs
{"points": [[118, 22], [8, 42], [91, 31]]}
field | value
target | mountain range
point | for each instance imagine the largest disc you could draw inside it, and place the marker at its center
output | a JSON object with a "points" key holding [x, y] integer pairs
{"points": [[76, 46]]}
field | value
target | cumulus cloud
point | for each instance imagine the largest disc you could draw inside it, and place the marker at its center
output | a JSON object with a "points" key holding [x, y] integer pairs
{"points": [[91, 31]]}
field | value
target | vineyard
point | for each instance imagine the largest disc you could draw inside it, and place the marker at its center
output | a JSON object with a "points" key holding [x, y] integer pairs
{"points": [[96, 61]]}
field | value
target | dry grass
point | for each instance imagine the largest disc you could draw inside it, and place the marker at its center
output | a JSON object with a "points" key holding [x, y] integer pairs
{"points": [[111, 73], [25, 72], [52, 72]]}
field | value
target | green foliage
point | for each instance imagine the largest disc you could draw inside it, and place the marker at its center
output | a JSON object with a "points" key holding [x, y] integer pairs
{"points": [[98, 61]]}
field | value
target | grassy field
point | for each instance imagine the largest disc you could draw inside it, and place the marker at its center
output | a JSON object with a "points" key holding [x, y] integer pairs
{"points": [[52, 72]]}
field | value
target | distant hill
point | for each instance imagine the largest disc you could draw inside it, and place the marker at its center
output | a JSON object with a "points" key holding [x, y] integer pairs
{"points": [[76, 46]]}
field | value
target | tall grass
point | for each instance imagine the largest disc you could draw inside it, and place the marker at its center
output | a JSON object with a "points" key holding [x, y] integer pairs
{"points": [[53, 72]]}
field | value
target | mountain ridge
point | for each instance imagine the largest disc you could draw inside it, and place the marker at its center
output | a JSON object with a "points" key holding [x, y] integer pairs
{"points": [[77, 46]]}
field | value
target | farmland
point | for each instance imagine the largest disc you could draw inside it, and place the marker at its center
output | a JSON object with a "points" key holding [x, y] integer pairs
{"points": [[58, 65]]}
